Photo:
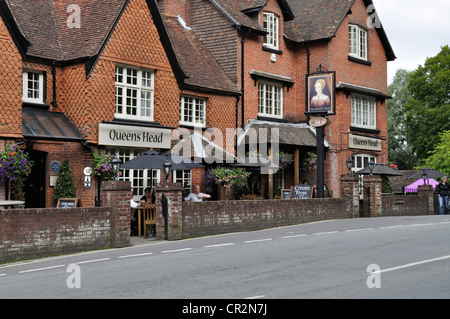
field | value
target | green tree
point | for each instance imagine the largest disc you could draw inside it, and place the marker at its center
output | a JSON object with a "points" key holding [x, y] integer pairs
{"points": [[400, 152], [428, 110], [65, 187], [440, 157]]}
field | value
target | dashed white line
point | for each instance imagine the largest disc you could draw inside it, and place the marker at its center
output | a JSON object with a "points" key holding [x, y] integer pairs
{"points": [[39, 269], [256, 297], [326, 233], [391, 227], [135, 255], [90, 261], [417, 225], [1, 275], [175, 250], [293, 236], [257, 240], [357, 230], [218, 245]]}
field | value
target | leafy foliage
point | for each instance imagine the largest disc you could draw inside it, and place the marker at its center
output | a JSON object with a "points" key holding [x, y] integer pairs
{"points": [[428, 110], [440, 156], [65, 187]]}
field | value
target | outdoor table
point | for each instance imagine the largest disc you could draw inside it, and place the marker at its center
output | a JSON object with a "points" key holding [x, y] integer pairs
{"points": [[9, 203]]}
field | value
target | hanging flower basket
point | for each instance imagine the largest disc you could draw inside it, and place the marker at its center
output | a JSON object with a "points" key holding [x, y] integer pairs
{"points": [[15, 166], [285, 159], [310, 162], [102, 165]]}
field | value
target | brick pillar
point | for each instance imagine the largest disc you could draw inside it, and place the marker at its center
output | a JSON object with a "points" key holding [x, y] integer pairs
{"points": [[174, 195], [117, 194], [372, 189], [427, 190], [350, 190]]}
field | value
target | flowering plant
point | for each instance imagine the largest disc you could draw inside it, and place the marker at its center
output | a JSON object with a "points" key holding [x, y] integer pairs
{"points": [[102, 165], [393, 166], [14, 164], [310, 161], [285, 159], [234, 178]]}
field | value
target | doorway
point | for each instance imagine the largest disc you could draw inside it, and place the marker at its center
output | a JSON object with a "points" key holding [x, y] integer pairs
{"points": [[35, 184]]}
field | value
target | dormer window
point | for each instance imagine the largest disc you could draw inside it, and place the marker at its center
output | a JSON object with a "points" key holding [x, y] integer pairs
{"points": [[271, 27], [33, 87], [358, 42]]}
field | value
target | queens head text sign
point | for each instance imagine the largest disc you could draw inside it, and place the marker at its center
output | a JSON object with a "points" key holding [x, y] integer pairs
{"points": [[134, 136], [364, 142]]}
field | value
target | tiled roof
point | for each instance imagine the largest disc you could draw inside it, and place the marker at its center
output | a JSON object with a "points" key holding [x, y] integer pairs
{"points": [[315, 19], [196, 61], [44, 23]]}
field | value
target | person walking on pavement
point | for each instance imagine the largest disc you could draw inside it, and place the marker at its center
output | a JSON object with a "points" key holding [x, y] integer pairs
{"points": [[442, 190]]}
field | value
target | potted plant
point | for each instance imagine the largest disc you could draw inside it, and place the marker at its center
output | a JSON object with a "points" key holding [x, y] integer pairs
{"points": [[65, 188], [234, 179]]}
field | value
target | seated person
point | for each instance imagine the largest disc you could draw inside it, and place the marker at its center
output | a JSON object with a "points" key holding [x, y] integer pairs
{"points": [[149, 196], [196, 196]]}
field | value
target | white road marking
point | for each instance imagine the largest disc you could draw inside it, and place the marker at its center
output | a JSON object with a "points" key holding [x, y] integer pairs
{"points": [[356, 230], [90, 261], [256, 297], [326, 233], [416, 225], [413, 264], [2, 275], [218, 245], [175, 250], [39, 269], [390, 227], [257, 240], [136, 255], [293, 236]]}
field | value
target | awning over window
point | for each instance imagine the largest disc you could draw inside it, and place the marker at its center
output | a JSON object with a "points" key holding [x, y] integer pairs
{"points": [[42, 124], [289, 134]]}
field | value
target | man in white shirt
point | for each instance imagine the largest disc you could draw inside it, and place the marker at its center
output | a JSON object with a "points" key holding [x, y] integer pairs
{"points": [[196, 196]]}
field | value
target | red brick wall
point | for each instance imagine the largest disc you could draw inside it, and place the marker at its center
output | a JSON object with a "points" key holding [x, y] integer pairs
{"points": [[212, 218]]}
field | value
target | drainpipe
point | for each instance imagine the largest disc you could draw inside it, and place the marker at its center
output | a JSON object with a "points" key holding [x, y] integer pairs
{"points": [[242, 77], [54, 104]]}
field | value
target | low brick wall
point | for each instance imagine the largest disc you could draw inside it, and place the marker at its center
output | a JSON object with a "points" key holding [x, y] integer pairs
{"points": [[405, 205], [31, 233], [211, 218]]}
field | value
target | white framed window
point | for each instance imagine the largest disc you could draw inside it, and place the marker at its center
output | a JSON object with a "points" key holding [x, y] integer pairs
{"points": [[361, 161], [364, 111], [134, 93], [184, 178], [193, 111], [270, 24], [33, 87], [270, 99], [358, 41], [140, 179]]}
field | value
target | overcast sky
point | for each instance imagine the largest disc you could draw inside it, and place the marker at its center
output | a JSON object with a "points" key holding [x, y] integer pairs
{"points": [[416, 29]]}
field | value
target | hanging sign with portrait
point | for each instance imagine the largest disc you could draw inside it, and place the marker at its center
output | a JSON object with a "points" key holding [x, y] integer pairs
{"points": [[320, 93]]}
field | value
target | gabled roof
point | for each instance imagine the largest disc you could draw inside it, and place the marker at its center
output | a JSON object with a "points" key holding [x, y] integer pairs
{"points": [[45, 32], [45, 25], [201, 68], [318, 20], [237, 12]]}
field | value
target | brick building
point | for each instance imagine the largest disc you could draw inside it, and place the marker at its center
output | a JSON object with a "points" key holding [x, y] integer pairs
{"points": [[268, 47], [77, 78]]}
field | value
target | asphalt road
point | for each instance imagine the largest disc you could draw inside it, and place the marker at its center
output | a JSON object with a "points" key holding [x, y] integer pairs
{"points": [[392, 257]]}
